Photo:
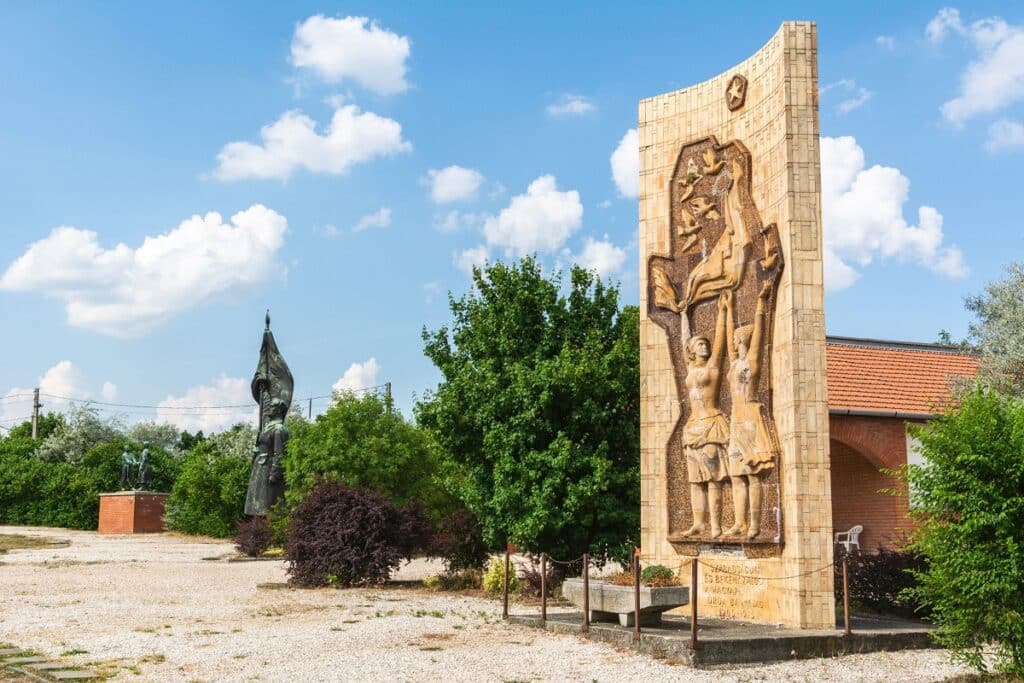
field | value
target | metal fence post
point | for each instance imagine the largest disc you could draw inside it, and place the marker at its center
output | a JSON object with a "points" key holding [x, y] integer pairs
{"points": [[846, 600], [586, 593], [693, 604], [636, 594], [543, 588], [504, 609]]}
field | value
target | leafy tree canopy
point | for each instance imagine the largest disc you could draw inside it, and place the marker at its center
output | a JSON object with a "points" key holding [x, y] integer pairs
{"points": [[969, 498], [82, 429], [539, 409], [162, 434], [997, 331], [48, 424], [360, 442]]}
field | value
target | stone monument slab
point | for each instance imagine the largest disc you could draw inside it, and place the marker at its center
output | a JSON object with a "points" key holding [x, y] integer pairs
{"points": [[734, 421]]}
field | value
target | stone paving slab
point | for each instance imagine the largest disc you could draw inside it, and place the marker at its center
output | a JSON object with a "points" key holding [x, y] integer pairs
{"points": [[8, 651], [51, 666], [26, 660], [72, 675]]}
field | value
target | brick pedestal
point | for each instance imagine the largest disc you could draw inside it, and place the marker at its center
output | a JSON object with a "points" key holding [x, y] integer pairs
{"points": [[132, 512]]}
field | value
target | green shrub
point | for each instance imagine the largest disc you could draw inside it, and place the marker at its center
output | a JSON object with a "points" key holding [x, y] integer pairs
{"points": [[969, 498], [360, 442], [66, 494], [494, 577], [209, 495], [658, 575]]}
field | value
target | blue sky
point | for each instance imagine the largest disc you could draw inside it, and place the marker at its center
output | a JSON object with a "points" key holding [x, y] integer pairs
{"points": [[458, 129]]}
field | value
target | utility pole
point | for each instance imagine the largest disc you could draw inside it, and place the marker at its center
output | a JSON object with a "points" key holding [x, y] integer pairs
{"points": [[311, 408], [36, 405], [387, 396]]}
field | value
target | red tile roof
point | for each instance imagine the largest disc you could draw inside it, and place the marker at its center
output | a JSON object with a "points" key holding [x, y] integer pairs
{"points": [[872, 375]]}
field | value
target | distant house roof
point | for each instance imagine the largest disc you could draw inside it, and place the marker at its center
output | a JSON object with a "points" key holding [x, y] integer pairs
{"points": [[904, 379]]}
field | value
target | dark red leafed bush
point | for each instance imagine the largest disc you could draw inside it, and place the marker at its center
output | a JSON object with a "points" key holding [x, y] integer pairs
{"points": [[879, 581], [345, 536], [254, 536], [459, 542]]}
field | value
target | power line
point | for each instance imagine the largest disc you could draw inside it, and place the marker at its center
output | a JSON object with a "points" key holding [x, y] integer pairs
{"points": [[197, 407], [11, 397]]}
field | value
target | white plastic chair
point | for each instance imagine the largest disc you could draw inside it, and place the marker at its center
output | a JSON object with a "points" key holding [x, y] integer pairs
{"points": [[850, 538]]}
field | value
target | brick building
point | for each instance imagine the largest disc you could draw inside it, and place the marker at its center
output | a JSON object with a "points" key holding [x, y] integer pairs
{"points": [[875, 389]]}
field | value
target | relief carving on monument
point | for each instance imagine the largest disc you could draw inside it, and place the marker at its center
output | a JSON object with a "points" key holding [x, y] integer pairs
{"points": [[736, 93], [714, 295]]}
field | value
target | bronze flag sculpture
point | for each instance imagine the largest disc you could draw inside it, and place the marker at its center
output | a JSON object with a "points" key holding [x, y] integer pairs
{"points": [[272, 387]]}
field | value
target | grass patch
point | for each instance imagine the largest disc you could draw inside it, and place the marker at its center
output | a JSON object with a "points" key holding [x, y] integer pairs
{"points": [[73, 652], [22, 542]]}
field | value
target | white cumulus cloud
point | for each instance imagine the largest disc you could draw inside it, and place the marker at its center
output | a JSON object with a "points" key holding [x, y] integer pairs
{"points": [[476, 256], [453, 221], [995, 78], [570, 105], [539, 221], [196, 408], [358, 376], [292, 142], [377, 219], [625, 161], [862, 210], [1004, 134], [353, 48], [126, 292], [602, 256], [453, 184], [109, 391], [58, 384]]}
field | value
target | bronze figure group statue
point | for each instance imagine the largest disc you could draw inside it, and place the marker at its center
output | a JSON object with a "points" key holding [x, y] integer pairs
{"points": [[272, 388], [135, 471], [722, 295]]}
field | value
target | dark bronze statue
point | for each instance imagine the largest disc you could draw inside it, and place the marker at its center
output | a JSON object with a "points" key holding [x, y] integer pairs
{"points": [[272, 387], [144, 468], [128, 465], [135, 470]]}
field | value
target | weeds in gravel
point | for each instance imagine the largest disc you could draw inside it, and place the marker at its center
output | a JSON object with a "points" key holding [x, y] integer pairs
{"points": [[155, 658], [74, 651], [20, 542]]}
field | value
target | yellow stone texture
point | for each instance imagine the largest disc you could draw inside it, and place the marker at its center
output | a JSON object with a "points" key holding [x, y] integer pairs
{"points": [[779, 125]]}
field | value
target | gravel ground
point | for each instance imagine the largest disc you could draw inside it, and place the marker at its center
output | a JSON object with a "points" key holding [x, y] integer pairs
{"points": [[150, 608]]}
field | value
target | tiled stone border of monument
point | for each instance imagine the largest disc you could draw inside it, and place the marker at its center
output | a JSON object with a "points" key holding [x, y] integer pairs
{"points": [[718, 240]]}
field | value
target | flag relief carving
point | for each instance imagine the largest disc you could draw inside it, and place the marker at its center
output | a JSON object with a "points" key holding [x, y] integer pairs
{"points": [[714, 295]]}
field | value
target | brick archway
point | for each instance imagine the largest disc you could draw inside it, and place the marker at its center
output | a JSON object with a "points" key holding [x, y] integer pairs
{"points": [[860, 448]]}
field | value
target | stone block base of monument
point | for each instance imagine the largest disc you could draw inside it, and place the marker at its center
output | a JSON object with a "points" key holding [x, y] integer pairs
{"points": [[609, 602], [132, 512]]}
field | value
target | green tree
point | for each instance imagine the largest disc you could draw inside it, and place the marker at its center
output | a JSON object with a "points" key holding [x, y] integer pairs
{"points": [[969, 499], [66, 494], [48, 424], [82, 430], [359, 441], [209, 495], [539, 409], [997, 331], [160, 434]]}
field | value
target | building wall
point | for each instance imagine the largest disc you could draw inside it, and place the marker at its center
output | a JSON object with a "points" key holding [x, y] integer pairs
{"points": [[857, 499], [779, 126]]}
